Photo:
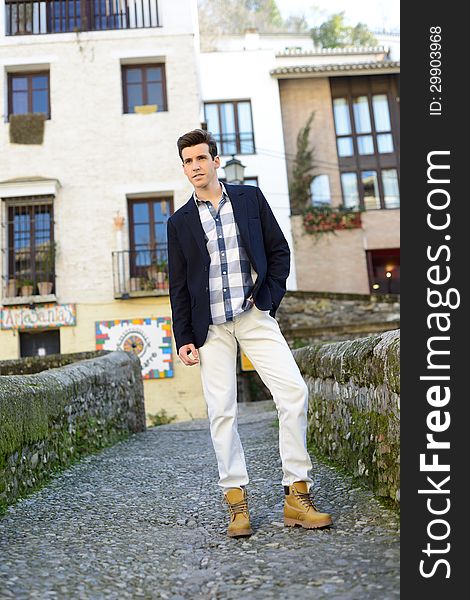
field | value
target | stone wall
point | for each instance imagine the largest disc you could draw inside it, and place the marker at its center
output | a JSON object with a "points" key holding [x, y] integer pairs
{"points": [[50, 419], [354, 406], [35, 364], [308, 317]]}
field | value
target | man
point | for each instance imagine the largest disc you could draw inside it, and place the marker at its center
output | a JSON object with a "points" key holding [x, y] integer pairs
{"points": [[228, 264]]}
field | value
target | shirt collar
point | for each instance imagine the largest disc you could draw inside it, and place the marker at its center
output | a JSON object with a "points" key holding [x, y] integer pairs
{"points": [[224, 195]]}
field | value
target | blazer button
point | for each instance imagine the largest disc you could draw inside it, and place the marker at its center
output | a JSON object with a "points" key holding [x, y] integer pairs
{"points": [[207, 289]]}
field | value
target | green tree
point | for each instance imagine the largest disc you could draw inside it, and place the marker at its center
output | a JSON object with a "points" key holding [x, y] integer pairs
{"points": [[299, 188], [234, 16], [334, 33]]}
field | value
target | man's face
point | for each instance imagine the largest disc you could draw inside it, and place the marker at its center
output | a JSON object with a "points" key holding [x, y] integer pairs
{"points": [[199, 166]]}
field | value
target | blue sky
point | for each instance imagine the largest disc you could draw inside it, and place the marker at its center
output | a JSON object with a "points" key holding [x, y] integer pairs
{"points": [[377, 14]]}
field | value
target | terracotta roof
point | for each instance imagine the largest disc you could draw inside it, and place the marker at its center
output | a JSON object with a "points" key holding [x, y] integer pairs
{"points": [[336, 67], [333, 51]]}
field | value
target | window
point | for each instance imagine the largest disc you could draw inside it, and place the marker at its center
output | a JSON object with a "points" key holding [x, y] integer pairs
{"points": [[365, 111], [350, 190], [39, 343], [144, 85], [384, 271], [148, 220], [391, 191], [320, 190], [232, 126], [63, 15], [31, 256], [371, 118], [369, 190], [28, 93]]}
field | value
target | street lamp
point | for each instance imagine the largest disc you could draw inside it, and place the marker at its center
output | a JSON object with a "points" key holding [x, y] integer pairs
{"points": [[234, 170]]}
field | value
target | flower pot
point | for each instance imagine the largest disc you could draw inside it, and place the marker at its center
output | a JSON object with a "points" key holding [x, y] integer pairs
{"points": [[12, 290], [27, 290], [45, 287], [152, 273], [161, 281], [135, 284]]}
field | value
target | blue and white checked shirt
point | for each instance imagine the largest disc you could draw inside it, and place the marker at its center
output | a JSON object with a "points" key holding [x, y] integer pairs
{"points": [[231, 275]]}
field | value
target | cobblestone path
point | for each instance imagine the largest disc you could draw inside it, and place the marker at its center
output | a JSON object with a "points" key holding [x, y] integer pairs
{"points": [[145, 519]]}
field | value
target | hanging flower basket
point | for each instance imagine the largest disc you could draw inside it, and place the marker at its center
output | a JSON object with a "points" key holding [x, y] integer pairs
{"points": [[327, 219]]}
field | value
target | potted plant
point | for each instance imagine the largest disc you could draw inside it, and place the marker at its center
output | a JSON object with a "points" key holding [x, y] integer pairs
{"points": [[47, 264], [162, 274], [152, 271], [135, 284], [27, 287], [12, 289]]}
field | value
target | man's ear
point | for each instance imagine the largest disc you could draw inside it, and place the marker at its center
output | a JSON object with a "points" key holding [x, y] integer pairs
{"points": [[217, 161]]}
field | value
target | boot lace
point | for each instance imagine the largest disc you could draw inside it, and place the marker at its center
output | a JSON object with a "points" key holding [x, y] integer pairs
{"points": [[237, 507], [306, 499]]}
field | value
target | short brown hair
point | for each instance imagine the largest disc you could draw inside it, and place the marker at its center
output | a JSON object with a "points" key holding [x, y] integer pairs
{"points": [[195, 137]]}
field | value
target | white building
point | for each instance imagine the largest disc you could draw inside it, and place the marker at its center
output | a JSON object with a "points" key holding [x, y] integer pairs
{"points": [[85, 193], [249, 108], [242, 108]]}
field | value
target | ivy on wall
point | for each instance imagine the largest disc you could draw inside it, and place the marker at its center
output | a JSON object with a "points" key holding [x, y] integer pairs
{"points": [[27, 128]]}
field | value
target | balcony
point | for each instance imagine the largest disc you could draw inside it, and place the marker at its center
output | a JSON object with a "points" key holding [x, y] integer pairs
{"points": [[28, 285], [33, 17], [141, 272]]}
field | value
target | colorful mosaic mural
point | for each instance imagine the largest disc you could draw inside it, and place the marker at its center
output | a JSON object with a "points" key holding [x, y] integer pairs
{"points": [[149, 338]]}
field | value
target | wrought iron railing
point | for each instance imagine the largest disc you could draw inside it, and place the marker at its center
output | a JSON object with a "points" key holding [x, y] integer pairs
{"points": [[140, 271], [27, 17], [28, 249]]}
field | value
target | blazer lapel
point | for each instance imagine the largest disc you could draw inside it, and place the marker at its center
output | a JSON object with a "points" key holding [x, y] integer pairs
{"points": [[194, 223]]}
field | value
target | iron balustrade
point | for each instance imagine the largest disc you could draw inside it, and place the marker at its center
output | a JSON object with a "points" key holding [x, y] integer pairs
{"points": [[140, 271], [29, 17], [28, 242]]}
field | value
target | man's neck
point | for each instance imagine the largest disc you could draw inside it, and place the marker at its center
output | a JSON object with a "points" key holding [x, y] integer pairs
{"points": [[211, 193]]}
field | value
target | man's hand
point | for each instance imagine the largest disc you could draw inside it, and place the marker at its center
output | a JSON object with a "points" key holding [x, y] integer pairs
{"points": [[189, 355]]}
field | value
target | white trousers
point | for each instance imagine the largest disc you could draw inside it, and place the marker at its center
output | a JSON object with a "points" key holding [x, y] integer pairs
{"points": [[261, 339]]}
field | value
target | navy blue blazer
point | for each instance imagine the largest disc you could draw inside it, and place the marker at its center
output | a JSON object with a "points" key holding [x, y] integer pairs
{"points": [[188, 261]]}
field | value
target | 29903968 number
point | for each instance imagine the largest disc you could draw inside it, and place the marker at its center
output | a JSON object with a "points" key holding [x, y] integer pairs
{"points": [[435, 56]]}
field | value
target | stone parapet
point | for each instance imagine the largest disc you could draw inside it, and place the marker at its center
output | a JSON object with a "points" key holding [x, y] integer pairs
{"points": [[354, 406], [51, 418]]}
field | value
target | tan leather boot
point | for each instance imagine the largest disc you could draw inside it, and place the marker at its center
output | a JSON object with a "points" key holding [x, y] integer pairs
{"points": [[300, 510], [236, 499]]}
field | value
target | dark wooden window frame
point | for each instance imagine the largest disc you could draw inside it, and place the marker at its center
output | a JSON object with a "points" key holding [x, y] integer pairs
{"points": [[29, 75], [143, 67], [237, 128], [28, 206], [353, 87], [153, 245]]}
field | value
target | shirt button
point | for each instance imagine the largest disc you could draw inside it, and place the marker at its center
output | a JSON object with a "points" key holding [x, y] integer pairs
{"points": [[225, 289], [224, 272], [220, 236]]}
